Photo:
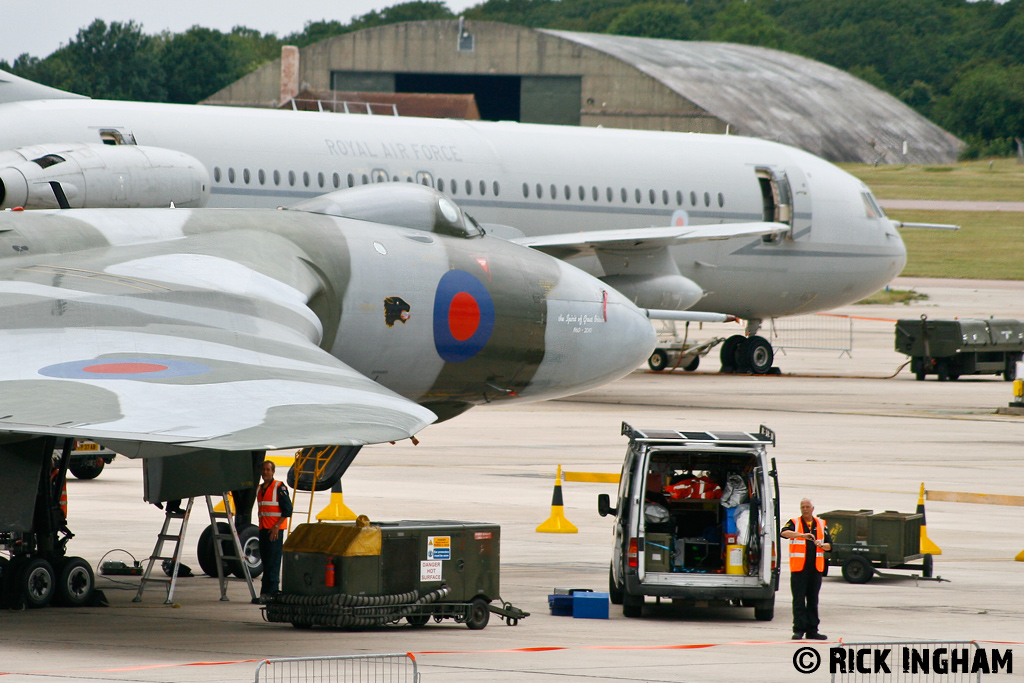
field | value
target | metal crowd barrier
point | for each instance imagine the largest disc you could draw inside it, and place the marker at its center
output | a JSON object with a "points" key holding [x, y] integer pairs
{"points": [[820, 332], [920, 661], [382, 668]]}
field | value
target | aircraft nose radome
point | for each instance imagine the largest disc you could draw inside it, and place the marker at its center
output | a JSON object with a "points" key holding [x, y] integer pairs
{"points": [[594, 335]]}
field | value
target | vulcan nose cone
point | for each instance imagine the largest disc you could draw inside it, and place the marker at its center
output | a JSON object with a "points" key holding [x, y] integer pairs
{"points": [[594, 335]]}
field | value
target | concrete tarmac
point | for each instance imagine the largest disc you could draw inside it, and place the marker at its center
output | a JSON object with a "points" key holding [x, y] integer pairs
{"points": [[852, 433]]}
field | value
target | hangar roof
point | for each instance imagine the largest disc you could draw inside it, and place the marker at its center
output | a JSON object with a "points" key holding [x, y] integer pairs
{"points": [[781, 96]]}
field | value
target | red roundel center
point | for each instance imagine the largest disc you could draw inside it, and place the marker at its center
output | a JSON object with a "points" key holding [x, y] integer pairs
{"points": [[124, 368], [463, 316]]}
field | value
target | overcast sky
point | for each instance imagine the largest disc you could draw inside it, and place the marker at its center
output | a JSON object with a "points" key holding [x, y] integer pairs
{"points": [[39, 27]]}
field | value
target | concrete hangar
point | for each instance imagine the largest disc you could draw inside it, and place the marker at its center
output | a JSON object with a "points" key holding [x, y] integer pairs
{"points": [[569, 78]]}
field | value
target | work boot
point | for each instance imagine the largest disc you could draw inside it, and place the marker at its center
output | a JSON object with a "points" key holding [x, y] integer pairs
{"points": [[817, 636], [797, 635]]}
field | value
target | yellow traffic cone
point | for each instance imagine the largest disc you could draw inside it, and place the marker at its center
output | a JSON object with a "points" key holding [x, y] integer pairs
{"points": [[336, 510], [557, 523], [927, 547], [1020, 556]]}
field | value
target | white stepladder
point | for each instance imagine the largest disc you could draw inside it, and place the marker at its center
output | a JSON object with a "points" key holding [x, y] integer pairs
{"points": [[218, 539]]}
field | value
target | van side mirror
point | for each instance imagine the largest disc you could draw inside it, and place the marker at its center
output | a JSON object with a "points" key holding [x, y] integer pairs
{"points": [[604, 507]]}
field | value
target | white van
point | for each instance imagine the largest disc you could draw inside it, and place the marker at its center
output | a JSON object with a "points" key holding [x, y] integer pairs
{"points": [[697, 520]]}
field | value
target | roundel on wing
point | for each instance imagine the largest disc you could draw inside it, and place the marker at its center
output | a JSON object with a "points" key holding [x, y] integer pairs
{"points": [[463, 316], [124, 368]]}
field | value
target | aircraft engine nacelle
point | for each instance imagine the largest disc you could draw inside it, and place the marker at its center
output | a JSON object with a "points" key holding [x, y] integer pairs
{"points": [[668, 292], [77, 175]]}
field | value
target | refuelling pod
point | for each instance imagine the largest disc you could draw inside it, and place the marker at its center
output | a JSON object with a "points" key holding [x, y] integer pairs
{"points": [[78, 175]]}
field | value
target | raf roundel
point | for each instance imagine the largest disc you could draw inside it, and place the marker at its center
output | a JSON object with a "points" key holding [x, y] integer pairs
{"points": [[463, 316], [124, 368]]}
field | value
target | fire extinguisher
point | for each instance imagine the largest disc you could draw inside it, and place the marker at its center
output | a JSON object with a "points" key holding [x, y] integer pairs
{"points": [[329, 573]]}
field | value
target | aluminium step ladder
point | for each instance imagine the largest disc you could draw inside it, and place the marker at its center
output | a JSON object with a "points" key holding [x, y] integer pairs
{"points": [[218, 539]]}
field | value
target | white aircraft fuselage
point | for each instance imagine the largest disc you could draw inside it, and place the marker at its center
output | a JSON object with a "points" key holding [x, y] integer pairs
{"points": [[540, 179]]}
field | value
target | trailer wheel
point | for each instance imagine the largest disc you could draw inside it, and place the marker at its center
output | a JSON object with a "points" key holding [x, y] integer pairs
{"points": [[857, 570], [693, 365], [632, 605], [479, 614], [418, 620], [90, 469], [927, 567], [942, 369], [36, 582], [75, 583], [1010, 373], [758, 355], [764, 610], [614, 591], [658, 360]]}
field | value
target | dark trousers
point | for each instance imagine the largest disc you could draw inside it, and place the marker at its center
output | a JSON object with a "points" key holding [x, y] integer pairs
{"points": [[270, 554], [805, 586]]}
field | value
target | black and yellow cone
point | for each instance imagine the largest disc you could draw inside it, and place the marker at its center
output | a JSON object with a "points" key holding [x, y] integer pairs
{"points": [[557, 523], [927, 547], [336, 510]]}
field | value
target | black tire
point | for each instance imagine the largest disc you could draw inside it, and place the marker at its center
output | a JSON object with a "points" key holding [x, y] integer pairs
{"points": [[857, 570], [942, 369], [207, 555], [75, 583], [758, 355], [36, 582], [693, 365], [249, 537], [479, 614], [419, 620], [614, 591], [632, 605], [917, 367], [302, 625], [1010, 373], [928, 567], [728, 352], [764, 610], [89, 469], [658, 360]]}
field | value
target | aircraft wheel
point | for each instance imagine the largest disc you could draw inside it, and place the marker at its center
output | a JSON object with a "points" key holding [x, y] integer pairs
{"points": [[658, 360], [758, 355], [479, 614], [89, 469], [249, 537], [206, 553], [36, 582], [693, 365], [75, 582], [614, 590], [857, 570], [728, 352]]}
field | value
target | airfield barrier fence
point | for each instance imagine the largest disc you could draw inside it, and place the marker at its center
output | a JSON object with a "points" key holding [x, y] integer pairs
{"points": [[821, 332], [909, 662], [382, 668]]}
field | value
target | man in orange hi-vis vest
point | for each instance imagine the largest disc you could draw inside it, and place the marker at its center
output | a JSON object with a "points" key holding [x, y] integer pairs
{"points": [[275, 507], [809, 540]]}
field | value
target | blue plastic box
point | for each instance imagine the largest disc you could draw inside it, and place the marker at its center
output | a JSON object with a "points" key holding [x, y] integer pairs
{"points": [[561, 605], [590, 605]]}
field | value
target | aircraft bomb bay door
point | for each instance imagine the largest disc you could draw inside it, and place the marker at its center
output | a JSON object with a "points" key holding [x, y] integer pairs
{"points": [[785, 200]]}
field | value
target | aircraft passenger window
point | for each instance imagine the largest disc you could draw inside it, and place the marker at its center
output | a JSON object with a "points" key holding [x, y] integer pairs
{"points": [[636, 193], [395, 179], [664, 197], [469, 187], [554, 192], [424, 178], [707, 199], [337, 181], [262, 177], [455, 187], [305, 178], [496, 188], [625, 197], [245, 176], [366, 179], [540, 191], [583, 193], [568, 193], [526, 190], [231, 175], [408, 180], [291, 178], [351, 180], [593, 192], [320, 179], [216, 173], [440, 185], [609, 193], [277, 177], [721, 200], [650, 195], [693, 198], [483, 188], [679, 197]]}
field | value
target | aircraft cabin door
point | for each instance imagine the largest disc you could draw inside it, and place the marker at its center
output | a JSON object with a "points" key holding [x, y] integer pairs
{"points": [[785, 199]]}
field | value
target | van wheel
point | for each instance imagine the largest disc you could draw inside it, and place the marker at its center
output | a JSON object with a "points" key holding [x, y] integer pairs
{"points": [[614, 591], [764, 610], [857, 570], [632, 605]]}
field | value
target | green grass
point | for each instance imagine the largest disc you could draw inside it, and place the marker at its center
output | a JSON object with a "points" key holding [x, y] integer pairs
{"points": [[989, 245], [894, 296], [1000, 179]]}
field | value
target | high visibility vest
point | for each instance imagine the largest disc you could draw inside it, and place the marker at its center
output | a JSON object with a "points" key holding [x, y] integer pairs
{"points": [[269, 509], [798, 546]]}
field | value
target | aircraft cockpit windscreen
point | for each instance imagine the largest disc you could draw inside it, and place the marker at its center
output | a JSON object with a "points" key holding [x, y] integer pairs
{"points": [[408, 206], [871, 205]]}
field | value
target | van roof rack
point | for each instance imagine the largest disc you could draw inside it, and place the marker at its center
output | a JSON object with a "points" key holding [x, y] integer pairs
{"points": [[763, 435]]}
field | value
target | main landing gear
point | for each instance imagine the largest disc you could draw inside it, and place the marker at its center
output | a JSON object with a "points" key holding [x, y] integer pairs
{"points": [[38, 571], [752, 354]]}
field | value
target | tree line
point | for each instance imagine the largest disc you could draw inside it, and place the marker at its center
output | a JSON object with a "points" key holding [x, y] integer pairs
{"points": [[959, 63]]}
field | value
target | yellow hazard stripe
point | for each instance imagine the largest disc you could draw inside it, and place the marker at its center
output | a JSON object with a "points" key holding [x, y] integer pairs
{"points": [[963, 497], [593, 477]]}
